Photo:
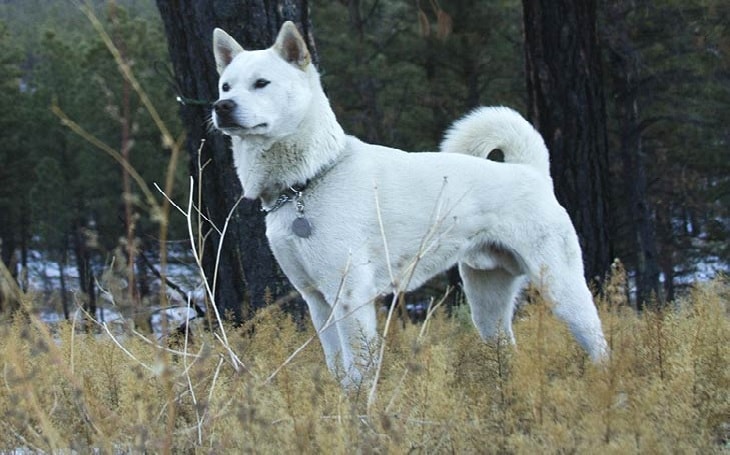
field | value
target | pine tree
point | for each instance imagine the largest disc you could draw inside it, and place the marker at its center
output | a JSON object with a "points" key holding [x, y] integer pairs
{"points": [[566, 104], [247, 271]]}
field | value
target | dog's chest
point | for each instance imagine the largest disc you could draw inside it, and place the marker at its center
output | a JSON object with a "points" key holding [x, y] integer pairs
{"points": [[320, 235], [296, 231], [302, 252], [289, 225], [280, 225]]}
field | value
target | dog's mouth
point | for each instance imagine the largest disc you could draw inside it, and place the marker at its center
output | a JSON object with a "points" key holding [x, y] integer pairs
{"points": [[238, 129]]}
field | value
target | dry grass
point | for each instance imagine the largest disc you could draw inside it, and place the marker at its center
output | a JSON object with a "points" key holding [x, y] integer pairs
{"points": [[664, 390]]}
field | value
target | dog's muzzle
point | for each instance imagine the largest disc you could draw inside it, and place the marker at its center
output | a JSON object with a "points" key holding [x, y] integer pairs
{"points": [[224, 110], [226, 119]]}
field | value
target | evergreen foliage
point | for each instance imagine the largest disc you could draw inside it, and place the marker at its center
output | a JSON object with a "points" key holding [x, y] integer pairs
{"points": [[680, 52], [397, 73], [65, 198]]}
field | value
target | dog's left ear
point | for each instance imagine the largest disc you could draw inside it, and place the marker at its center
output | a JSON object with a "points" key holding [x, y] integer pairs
{"points": [[225, 49], [291, 46]]}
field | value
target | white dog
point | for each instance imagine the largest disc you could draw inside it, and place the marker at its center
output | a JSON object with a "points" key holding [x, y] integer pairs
{"points": [[349, 221]]}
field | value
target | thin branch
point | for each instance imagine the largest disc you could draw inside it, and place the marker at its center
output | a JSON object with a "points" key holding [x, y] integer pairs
{"points": [[93, 140], [125, 69], [181, 292]]}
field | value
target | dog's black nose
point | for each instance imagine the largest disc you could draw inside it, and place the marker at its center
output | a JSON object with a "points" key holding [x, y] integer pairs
{"points": [[223, 107]]}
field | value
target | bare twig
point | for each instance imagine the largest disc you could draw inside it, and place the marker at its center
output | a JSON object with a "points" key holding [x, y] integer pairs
{"points": [[428, 241], [210, 290]]}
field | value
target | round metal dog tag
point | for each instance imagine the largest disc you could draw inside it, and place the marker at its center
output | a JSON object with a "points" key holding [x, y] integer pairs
{"points": [[301, 227]]}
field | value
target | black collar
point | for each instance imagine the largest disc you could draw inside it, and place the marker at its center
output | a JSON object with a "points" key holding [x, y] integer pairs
{"points": [[290, 194], [294, 192]]}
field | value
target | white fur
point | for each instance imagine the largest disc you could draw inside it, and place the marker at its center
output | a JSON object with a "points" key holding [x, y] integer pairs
{"points": [[489, 128], [384, 220]]}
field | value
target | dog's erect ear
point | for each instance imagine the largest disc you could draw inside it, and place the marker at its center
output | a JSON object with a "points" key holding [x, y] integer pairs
{"points": [[225, 49], [291, 46]]}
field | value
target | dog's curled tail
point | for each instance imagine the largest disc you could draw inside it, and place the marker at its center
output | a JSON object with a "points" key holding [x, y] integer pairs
{"points": [[487, 129]]}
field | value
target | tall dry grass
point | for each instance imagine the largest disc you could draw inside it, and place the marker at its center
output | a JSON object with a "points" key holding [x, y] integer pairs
{"points": [[664, 390]]}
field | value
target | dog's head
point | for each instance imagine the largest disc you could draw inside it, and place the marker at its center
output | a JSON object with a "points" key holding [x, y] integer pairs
{"points": [[262, 93]]}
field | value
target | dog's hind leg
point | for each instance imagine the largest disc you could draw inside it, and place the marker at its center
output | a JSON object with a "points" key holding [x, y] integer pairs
{"points": [[573, 303], [491, 295], [557, 269]]}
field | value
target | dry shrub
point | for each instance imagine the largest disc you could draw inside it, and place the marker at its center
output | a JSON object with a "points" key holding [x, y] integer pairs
{"points": [[664, 389]]}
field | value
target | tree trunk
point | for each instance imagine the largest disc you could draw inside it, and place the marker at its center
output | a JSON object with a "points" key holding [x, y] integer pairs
{"points": [[83, 265], [129, 215], [669, 249], [247, 276], [365, 83], [625, 71], [64, 288], [566, 104]]}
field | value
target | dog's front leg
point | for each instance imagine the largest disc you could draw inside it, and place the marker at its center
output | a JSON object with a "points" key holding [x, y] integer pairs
{"points": [[357, 330], [325, 324]]}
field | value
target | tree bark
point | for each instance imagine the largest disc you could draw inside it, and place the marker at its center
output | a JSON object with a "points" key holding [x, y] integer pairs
{"points": [[247, 276], [63, 259], [566, 104], [125, 147], [365, 83], [623, 59], [82, 252]]}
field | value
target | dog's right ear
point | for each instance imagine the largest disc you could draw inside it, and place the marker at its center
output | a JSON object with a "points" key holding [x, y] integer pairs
{"points": [[225, 49]]}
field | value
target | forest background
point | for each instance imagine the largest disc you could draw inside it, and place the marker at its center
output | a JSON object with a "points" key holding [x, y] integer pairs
{"points": [[400, 78]]}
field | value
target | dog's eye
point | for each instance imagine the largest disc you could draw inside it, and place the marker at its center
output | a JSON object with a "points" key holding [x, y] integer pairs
{"points": [[225, 87], [260, 83]]}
